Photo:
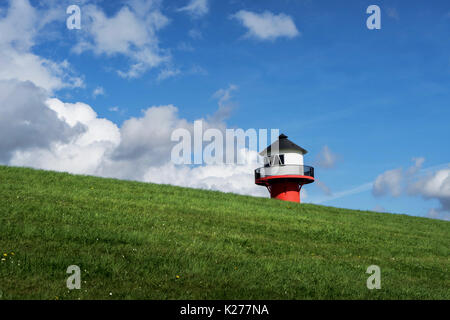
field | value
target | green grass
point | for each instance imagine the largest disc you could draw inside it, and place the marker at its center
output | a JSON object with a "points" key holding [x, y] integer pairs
{"points": [[133, 239]]}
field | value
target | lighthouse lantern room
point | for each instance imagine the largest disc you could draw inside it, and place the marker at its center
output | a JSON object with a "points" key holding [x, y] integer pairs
{"points": [[284, 173]]}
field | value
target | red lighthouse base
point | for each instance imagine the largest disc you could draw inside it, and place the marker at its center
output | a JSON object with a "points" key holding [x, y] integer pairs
{"points": [[286, 191], [286, 188]]}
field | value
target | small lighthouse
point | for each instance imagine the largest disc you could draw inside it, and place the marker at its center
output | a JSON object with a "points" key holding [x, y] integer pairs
{"points": [[284, 173]]}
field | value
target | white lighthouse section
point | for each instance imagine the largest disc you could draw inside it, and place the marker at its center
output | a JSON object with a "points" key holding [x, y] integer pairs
{"points": [[284, 162], [293, 157]]}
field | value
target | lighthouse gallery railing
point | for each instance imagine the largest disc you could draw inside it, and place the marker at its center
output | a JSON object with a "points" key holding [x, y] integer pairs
{"points": [[288, 169]]}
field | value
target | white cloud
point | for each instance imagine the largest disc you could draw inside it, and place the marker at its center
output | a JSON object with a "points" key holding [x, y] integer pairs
{"points": [[224, 95], [99, 91], [429, 184], [227, 178], [139, 150], [45, 73], [131, 32], [266, 25], [168, 73], [20, 27], [225, 104], [83, 154], [418, 162], [171, 72], [389, 182], [325, 158], [148, 137], [26, 122], [435, 186], [196, 8], [393, 182]]}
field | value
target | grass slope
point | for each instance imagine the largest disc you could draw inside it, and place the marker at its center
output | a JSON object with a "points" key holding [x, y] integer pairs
{"points": [[147, 241]]}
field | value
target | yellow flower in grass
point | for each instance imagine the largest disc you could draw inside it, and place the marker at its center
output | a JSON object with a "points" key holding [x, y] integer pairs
{"points": [[5, 254], [177, 276]]}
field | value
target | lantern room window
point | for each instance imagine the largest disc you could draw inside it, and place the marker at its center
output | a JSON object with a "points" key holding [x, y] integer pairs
{"points": [[275, 160]]}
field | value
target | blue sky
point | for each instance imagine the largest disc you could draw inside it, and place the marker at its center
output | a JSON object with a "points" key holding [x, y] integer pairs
{"points": [[370, 100]]}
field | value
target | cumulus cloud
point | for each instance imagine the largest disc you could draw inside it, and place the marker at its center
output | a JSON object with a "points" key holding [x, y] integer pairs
{"points": [[325, 158], [393, 182], [150, 134], [223, 177], [20, 27], [266, 25], [53, 135], [131, 32], [434, 185], [196, 8], [47, 133], [26, 122], [389, 183], [83, 154]]}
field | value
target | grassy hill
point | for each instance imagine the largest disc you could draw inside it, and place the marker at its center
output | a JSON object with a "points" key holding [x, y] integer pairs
{"points": [[147, 241]]}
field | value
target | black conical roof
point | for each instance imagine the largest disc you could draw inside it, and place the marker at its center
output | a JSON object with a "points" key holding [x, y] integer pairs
{"points": [[283, 143]]}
